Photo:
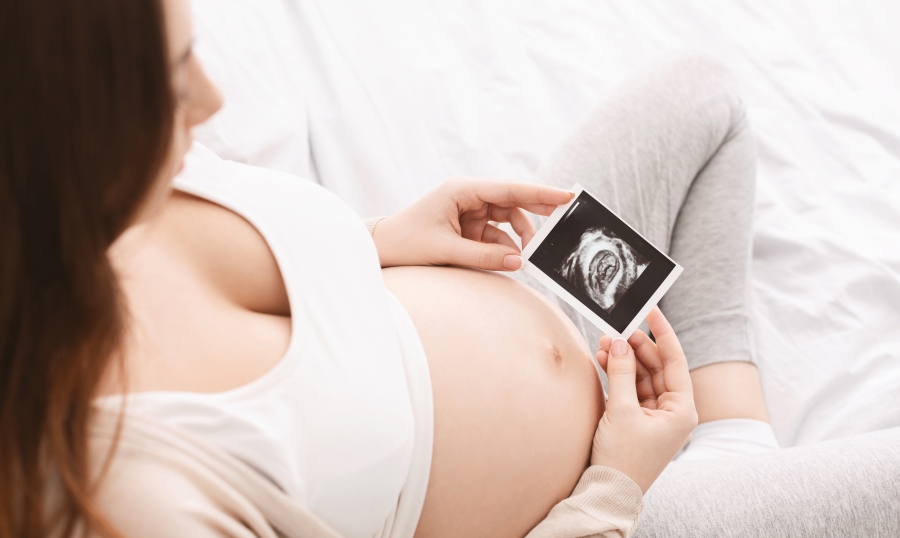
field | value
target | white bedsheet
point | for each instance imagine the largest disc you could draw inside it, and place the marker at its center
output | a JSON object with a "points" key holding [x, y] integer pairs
{"points": [[402, 94]]}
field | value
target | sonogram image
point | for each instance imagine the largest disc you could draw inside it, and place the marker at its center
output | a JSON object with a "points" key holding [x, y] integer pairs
{"points": [[602, 266]]}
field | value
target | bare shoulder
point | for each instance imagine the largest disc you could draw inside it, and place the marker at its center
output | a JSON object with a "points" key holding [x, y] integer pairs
{"points": [[227, 250]]}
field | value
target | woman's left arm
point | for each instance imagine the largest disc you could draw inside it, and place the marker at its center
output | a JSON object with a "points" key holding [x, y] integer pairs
{"points": [[451, 225]]}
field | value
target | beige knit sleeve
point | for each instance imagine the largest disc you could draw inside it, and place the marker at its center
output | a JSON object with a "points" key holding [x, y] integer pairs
{"points": [[148, 498], [604, 504]]}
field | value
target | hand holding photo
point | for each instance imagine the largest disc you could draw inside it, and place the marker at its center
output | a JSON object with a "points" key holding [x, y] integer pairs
{"points": [[599, 264]]}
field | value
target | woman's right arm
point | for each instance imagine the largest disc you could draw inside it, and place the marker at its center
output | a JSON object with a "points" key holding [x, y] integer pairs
{"points": [[150, 497], [649, 416]]}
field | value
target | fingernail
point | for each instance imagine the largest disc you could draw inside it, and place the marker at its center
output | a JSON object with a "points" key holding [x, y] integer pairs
{"points": [[512, 262], [619, 347]]}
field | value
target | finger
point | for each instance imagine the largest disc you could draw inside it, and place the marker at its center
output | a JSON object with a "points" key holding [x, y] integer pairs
{"points": [[605, 342], [479, 229], [602, 358], [489, 256], [644, 385], [621, 372], [516, 218], [675, 366], [472, 228], [492, 234], [511, 193], [646, 352], [539, 209], [603, 350]]}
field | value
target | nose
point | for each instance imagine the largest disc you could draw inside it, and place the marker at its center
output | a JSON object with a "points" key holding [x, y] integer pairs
{"points": [[208, 99]]}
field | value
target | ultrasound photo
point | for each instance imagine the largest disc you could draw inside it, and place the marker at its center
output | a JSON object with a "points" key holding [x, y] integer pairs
{"points": [[602, 266], [599, 264]]}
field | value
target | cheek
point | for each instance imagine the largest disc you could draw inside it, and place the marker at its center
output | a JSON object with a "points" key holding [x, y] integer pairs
{"points": [[182, 135], [181, 142]]}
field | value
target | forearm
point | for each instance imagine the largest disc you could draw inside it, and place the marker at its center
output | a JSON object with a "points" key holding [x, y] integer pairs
{"points": [[605, 503], [389, 242]]}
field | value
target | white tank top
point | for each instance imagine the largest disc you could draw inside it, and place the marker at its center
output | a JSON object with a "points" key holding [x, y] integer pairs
{"points": [[344, 421]]}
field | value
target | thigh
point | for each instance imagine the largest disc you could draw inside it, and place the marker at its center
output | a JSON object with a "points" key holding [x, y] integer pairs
{"points": [[516, 400], [671, 153], [643, 148]]}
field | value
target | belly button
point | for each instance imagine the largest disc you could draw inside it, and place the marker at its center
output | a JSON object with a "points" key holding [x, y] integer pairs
{"points": [[556, 355]]}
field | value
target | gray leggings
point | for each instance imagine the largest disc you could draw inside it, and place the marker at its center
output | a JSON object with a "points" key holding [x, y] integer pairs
{"points": [[672, 153]]}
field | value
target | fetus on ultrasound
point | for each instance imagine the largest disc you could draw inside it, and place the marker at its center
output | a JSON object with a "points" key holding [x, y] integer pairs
{"points": [[602, 266]]}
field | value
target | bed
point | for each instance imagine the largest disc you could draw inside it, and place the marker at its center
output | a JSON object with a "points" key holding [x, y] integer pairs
{"points": [[381, 101]]}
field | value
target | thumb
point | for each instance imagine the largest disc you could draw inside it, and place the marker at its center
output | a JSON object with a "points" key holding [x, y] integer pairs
{"points": [[621, 371], [489, 256]]}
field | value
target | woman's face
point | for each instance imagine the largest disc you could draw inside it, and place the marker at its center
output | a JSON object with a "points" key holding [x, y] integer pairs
{"points": [[196, 98]]}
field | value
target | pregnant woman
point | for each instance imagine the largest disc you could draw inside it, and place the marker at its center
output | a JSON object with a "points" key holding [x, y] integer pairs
{"points": [[228, 358]]}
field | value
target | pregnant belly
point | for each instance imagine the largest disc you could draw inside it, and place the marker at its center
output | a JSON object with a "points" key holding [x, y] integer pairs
{"points": [[516, 400]]}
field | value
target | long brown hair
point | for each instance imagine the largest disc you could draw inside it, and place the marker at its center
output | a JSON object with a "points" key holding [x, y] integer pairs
{"points": [[86, 119]]}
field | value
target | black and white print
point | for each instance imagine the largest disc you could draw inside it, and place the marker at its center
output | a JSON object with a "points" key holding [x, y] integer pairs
{"points": [[599, 264], [603, 266]]}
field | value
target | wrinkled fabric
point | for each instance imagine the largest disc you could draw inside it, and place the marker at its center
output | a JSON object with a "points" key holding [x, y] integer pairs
{"points": [[401, 95]]}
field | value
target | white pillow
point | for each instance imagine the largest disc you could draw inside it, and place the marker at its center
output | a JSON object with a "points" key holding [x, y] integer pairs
{"points": [[250, 50]]}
